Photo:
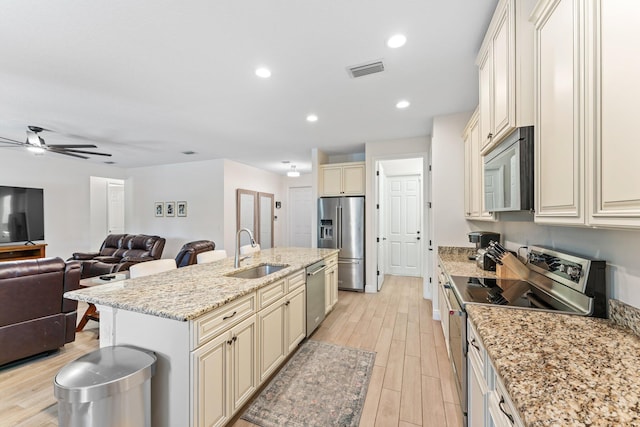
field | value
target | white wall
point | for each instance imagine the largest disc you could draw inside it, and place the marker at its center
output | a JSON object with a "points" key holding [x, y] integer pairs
{"points": [[200, 184], [239, 175], [447, 188], [66, 184], [386, 150]]}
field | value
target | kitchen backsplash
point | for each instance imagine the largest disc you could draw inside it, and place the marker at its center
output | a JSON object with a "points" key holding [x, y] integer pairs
{"points": [[625, 315]]}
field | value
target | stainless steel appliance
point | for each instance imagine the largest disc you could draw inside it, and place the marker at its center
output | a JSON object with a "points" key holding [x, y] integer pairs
{"points": [[341, 226], [315, 295], [508, 173], [556, 281], [482, 240]]}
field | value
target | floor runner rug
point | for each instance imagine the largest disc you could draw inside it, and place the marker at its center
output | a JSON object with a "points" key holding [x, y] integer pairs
{"points": [[321, 385]]}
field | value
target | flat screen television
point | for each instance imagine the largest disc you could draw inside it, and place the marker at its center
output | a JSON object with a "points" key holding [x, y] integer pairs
{"points": [[21, 214]]}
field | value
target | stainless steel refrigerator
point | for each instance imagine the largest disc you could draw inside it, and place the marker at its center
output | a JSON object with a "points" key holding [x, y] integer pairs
{"points": [[341, 226]]}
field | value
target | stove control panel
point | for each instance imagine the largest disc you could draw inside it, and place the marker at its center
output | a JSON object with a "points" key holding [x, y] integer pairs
{"points": [[565, 268]]}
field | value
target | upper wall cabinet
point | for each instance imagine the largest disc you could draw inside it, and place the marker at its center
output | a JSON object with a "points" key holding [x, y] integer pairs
{"points": [[559, 145], [586, 105], [342, 179], [474, 172], [612, 97], [505, 64]]}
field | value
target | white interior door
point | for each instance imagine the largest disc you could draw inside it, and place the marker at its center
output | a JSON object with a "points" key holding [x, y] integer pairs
{"points": [[404, 219], [115, 208], [300, 217]]}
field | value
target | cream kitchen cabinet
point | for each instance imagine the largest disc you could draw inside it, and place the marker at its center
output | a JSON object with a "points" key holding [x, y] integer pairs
{"points": [[559, 137], [342, 179], [225, 374], [443, 306], [281, 323], [612, 97], [474, 173], [331, 283], [586, 105], [505, 70]]}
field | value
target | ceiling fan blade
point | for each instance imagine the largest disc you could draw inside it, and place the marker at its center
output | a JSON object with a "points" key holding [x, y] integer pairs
{"points": [[68, 150], [73, 145], [68, 154], [10, 141]]}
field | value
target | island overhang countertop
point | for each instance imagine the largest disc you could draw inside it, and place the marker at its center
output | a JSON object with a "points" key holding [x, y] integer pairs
{"points": [[189, 292]]}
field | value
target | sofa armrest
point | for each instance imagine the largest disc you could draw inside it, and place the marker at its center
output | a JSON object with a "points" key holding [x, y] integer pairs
{"points": [[83, 255], [71, 282]]}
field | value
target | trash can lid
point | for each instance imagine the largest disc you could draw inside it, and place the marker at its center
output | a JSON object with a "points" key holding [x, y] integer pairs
{"points": [[104, 372]]}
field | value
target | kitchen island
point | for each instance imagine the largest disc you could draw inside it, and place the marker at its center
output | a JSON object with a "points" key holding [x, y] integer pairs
{"points": [[216, 337]]}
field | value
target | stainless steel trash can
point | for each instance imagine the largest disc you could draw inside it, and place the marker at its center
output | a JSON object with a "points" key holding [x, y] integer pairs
{"points": [[110, 386]]}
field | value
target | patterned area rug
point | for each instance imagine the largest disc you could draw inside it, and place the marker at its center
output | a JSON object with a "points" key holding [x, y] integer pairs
{"points": [[321, 385]]}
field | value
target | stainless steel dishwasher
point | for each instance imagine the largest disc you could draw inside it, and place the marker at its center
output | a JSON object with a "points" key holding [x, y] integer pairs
{"points": [[315, 295]]}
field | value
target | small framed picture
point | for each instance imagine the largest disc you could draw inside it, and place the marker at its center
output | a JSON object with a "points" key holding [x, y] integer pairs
{"points": [[159, 208], [181, 208], [170, 208]]}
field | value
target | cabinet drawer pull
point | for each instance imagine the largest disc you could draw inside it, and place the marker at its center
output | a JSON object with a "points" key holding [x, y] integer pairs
{"points": [[473, 343], [503, 411], [229, 317]]}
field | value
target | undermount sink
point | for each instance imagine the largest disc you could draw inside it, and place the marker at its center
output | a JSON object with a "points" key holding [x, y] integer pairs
{"points": [[258, 271]]}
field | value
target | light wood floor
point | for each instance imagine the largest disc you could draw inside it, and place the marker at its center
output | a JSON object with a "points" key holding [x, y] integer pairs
{"points": [[411, 384]]}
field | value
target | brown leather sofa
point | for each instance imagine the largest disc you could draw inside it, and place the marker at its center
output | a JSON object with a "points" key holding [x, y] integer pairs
{"points": [[118, 252], [189, 252], [34, 317]]}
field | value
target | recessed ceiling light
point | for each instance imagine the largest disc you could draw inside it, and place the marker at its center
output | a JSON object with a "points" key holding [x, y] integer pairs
{"points": [[396, 41], [312, 118], [403, 104], [265, 73]]}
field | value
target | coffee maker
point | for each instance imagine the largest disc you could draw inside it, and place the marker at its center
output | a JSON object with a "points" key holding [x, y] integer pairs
{"points": [[482, 239]]}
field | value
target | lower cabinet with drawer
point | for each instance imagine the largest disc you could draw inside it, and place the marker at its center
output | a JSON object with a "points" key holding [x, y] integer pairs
{"points": [[330, 283], [488, 404], [236, 347], [281, 327], [224, 374]]}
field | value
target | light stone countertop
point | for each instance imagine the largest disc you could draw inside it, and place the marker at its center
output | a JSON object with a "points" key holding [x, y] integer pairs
{"points": [[189, 292], [559, 370], [455, 261], [563, 370]]}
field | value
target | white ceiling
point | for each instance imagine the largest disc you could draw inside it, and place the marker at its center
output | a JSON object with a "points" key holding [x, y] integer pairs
{"points": [[146, 80]]}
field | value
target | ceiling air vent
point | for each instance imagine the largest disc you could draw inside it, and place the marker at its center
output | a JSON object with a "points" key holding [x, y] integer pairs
{"points": [[363, 70]]}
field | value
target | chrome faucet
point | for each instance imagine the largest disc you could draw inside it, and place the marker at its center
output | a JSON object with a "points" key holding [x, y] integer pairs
{"points": [[236, 262]]}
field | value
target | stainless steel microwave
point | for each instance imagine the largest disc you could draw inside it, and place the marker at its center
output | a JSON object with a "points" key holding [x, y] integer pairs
{"points": [[508, 173]]}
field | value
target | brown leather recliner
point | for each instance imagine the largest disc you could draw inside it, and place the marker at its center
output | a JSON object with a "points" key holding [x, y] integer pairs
{"points": [[118, 252], [189, 252], [34, 317]]}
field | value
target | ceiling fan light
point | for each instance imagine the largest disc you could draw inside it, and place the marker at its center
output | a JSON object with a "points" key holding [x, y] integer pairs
{"points": [[36, 149]]}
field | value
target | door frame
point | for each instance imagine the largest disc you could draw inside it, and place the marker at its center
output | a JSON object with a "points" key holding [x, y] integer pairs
{"points": [[426, 216]]}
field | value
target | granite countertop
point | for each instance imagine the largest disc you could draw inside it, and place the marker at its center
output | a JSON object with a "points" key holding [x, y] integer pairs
{"points": [[455, 261], [563, 370], [189, 292]]}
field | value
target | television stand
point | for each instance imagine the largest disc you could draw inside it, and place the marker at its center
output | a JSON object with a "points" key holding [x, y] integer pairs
{"points": [[18, 252]]}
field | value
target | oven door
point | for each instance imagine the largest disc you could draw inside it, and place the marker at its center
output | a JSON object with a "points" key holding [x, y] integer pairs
{"points": [[458, 344]]}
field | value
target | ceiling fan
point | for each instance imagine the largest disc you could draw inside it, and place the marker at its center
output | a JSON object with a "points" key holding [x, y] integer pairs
{"points": [[36, 144]]}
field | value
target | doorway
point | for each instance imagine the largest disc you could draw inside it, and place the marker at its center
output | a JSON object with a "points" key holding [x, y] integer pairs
{"points": [[107, 208], [400, 217]]}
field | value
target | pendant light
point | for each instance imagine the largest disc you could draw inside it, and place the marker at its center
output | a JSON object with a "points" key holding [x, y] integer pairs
{"points": [[293, 173]]}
